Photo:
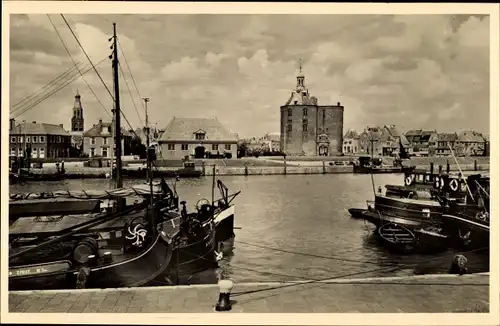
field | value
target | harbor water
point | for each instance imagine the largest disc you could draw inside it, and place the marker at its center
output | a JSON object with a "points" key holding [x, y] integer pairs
{"points": [[295, 227]]}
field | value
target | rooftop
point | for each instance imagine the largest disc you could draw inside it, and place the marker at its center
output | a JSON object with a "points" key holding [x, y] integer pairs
{"points": [[36, 128], [185, 128], [96, 130]]}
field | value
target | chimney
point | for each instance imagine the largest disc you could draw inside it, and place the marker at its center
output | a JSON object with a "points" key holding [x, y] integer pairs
{"points": [[12, 124], [34, 121], [100, 121], [338, 103]]}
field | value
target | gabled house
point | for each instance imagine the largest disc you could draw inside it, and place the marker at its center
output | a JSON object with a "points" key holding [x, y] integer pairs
{"points": [[370, 140], [470, 143], [423, 142], [98, 141], [197, 138], [444, 141], [350, 143]]}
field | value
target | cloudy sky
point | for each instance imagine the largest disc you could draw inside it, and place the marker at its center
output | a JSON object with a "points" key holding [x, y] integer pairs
{"points": [[414, 71]]}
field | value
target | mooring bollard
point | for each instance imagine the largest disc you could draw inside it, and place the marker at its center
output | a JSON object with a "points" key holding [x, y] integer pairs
{"points": [[459, 265], [225, 287]]}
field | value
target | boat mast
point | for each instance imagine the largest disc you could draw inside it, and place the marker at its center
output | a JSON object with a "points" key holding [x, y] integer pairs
{"points": [[118, 142], [148, 158]]}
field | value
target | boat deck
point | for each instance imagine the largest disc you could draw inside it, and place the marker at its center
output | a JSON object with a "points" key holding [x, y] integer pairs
{"points": [[413, 294]]}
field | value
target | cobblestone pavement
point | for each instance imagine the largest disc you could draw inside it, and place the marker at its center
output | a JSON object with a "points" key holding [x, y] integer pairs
{"points": [[410, 295]]}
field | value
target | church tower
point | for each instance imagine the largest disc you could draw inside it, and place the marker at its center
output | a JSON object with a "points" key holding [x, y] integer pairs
{"points": [[77, 119]]}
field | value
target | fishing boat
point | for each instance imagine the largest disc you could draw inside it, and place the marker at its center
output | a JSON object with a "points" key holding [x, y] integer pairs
{"points": [[368, 165], [187, 171], [397, 237], [467, 221]]}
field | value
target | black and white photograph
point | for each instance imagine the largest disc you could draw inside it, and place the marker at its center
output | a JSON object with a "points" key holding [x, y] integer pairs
{"points": [[226, 162]]}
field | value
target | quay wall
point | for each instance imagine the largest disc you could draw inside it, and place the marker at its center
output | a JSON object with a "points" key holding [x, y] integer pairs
{"points": [[289, 168]]}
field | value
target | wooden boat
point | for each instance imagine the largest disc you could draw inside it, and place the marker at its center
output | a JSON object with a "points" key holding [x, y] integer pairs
{"points": [[187, 171], [467, 222], [431, 239], [28, 177], [112, 248], [369, 165], [397, 237]]}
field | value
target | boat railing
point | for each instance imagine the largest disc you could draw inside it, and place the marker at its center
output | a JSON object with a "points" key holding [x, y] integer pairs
{"points": [[424, 211]]}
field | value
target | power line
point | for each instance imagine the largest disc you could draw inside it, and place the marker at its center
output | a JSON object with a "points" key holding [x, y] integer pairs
{"points": [[43, 98], [78, 41], [128, 88], [63, 75], [71, 57], [130, 72]]}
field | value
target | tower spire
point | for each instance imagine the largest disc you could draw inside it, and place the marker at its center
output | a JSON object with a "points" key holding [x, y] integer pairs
{"points": [[300, 77], [300, 66]]}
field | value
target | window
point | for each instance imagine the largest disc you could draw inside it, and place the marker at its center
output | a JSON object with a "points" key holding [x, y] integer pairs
{"points": [[215, 147], [304, 127], [171, 147], [104, 152], [35, 139], [304, 112], [13, 140], [20, 139], [34, 152], [42, 139], [355, 149], [200, 136], [227, 147], [290, 112], [104, 140], [289, 128], [92, 141], [13, 151], [109, 129], [184, 147], [92, 152], [42, 152], [59, 139], [20, 152], [28, 139]]}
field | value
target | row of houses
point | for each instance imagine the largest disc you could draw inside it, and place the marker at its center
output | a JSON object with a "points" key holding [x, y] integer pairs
{"points": [[387, 141], [192, 137]]}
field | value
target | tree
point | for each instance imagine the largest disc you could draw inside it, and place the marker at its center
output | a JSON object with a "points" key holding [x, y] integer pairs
{"points": [[137, 147]]}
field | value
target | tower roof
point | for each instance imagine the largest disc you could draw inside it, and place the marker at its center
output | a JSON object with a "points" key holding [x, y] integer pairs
{"points": [[78, 104]]}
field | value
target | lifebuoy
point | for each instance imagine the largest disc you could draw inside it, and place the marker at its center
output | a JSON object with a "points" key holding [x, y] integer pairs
{"points": [[436, 182], [408, 181], [454, 185]]}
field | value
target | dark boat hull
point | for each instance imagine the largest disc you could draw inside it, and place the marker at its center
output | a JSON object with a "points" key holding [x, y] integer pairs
{"points": [[375, 170], [131, 270], [378, 219], [224, 225], [142, 173], [458, 226], [357, 212], [397, 238], [20, 178], [401, 207]]}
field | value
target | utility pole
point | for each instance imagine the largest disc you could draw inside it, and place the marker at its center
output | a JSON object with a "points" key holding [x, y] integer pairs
{"points": [[118, 141], [148, 158]]}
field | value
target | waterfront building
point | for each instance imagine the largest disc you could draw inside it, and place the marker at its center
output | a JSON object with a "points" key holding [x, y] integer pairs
{"points": [[423, 142], [98, 141], [383, 141], [197, 138], [443, 139], [351, 143], [77, 127], [308, 128], [41, 140], [470, 143], [369, 140]]}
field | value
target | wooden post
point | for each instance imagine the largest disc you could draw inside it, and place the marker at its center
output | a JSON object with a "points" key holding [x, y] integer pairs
{"points": [[324, 167], [284, 161], [475, 165], [203, 167], [432, 167], [246, 168], [440, 168], [447, 166]]}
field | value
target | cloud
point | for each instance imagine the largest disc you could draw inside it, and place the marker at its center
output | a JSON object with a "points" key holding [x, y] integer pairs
{"points": [[414, 71]]}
